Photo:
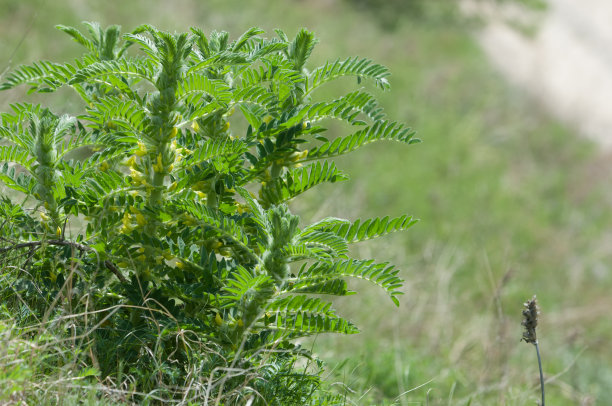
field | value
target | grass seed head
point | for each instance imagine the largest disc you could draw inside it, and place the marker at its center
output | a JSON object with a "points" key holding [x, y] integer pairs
{"points": [[530, 320]]}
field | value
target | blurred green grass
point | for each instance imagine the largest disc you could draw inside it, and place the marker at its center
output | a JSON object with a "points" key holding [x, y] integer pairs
{"points": [[511, 204]]}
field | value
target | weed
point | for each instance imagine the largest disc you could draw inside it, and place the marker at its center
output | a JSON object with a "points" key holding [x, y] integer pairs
{"points": [[156, 222]]}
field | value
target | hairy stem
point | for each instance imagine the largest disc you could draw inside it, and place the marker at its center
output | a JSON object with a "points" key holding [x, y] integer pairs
{"points": [[158, 183]]}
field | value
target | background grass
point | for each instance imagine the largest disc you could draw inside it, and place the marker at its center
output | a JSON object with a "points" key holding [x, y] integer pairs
{"points": [[512, 204]]}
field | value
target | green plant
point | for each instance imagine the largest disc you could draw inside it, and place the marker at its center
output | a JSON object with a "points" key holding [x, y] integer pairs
{"points": [[156, 221]]}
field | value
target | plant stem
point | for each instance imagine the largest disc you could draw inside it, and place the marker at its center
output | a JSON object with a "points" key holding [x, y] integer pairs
{"points": [[541, 373], [156, 195]]}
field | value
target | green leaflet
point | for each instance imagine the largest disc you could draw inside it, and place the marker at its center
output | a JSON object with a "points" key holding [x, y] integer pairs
{"points": [[42, 76], [106, 72], [123, 114], [20, 182], [213, 218], [381, 130], [298, 181], [382, 274], [196, 86], [16, 154], [370, 228], [301, 47], [300, 324], [355, 66]]}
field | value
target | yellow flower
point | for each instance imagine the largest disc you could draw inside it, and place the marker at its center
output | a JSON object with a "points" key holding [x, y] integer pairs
{"points": [[180, 265], [141, 220], [173, 132], [218, 319], [104, 166], [127, 219], [131, 162], [142, 149], [242, 208], [140, 250], [267, 119], [226, 126], [240, 323], [158, 167], [44, 216], [296, 156], [189, 221], [199, 185], [172, 186], [58, 231], [195, 126], [201, 195], [137, 178]]}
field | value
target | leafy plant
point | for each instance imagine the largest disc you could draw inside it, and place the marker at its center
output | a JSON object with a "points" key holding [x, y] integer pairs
{"points": [[163, 233]]}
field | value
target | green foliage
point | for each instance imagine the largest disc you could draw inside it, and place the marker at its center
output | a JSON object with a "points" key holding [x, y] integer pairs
{"points": [[164, 233], [391, 13]]}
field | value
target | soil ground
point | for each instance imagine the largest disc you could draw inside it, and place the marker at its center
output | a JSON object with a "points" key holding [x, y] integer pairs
{"points": [[565, 63]]}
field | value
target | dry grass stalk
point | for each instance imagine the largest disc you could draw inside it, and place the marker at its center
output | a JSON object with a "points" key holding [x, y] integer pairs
{"points": [[530, 322]]}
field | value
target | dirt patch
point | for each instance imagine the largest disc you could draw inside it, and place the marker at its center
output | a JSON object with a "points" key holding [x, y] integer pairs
{"points": [[566, 63]]}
